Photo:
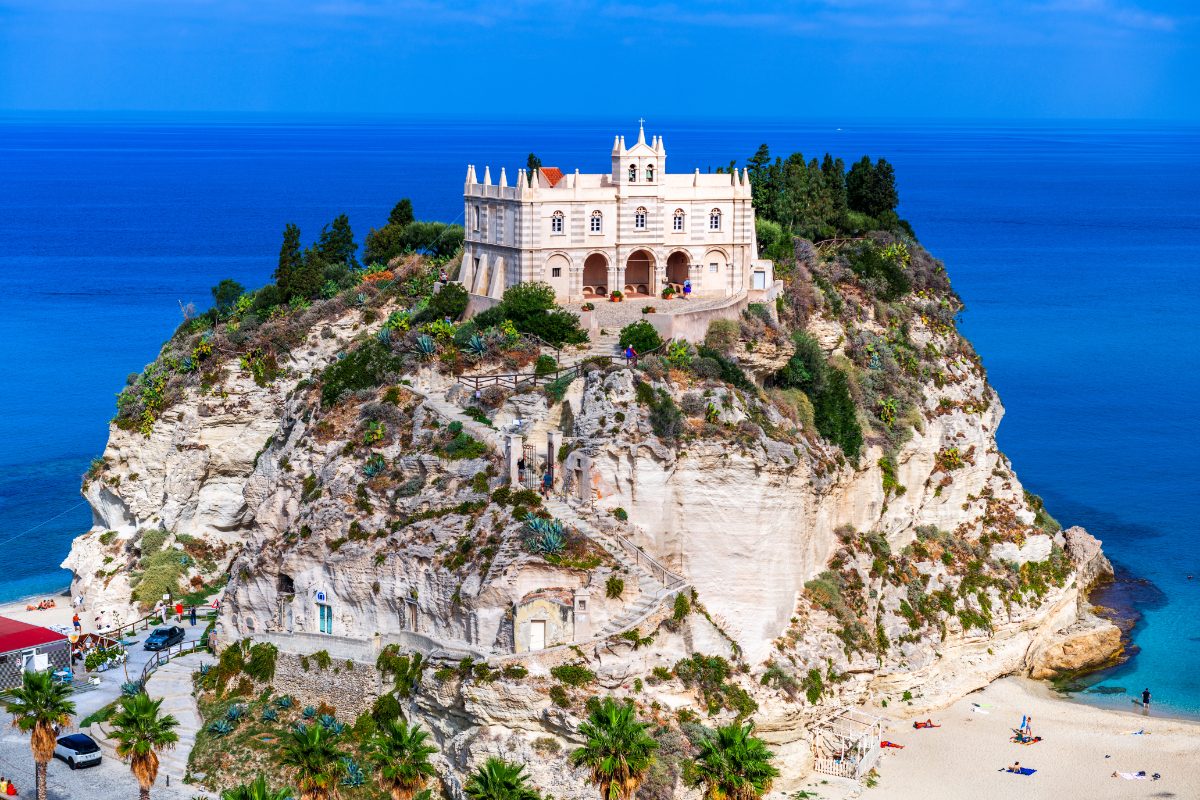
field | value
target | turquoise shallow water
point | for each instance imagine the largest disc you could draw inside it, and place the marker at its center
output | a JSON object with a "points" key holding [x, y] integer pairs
{"points": [[1076, 248]]}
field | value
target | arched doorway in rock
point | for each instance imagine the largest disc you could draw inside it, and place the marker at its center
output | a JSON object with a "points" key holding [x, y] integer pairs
{"points": [[677, 268], [595, 275], [639, 273]]}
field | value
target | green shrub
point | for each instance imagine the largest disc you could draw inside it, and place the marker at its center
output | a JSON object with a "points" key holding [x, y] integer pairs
{"points": [[368, 366], [665, 418], [614, 587], [573, 674], [621, 514], [641, 335], [160, 576], [152, 542], [385, 709], [261, 664], [730, 372], [683, 607], [882, 270], [722, 335], [545, 365], [559, 696], [532, 309], [464, 446], [450, 302], [814, 687]]}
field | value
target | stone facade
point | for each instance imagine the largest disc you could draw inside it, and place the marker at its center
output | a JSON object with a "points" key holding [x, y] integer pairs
{"points": [[634, 229], [349, 686]]}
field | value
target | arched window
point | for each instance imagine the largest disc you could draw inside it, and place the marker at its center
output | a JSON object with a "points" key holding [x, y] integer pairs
{"points": [[632, 173], [714, 219], [650, 174], [597, 222], [476, 210], [639, 219], [677, 222], [556, 222]]}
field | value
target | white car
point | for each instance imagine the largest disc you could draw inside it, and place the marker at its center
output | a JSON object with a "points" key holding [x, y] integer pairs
{"points": [[78, 750]]}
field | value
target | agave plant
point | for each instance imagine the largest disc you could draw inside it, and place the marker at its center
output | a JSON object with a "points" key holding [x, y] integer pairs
{"points": [[425, 346], [204, 668], [309, 712], [330, 723], [545, 536], [235, 712], [354, 775], [476, 345], [131, 688], [221, 727], [284, 702], [375, 465], [270, 715], [385, 335]]}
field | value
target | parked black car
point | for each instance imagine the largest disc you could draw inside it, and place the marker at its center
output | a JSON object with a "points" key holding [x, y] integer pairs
{"points": [[78, 750], [164, 637]]}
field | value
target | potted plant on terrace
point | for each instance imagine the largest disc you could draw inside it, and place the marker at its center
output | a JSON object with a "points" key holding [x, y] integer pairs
{"points": [[648, 309], [589, 307], [668, 292], [615, 296]]}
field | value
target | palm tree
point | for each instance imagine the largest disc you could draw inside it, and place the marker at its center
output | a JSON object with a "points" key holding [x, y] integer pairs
{"points": [[316, 761], [141, 732], [401, 756], [498, 779], [257, 790], [618, 751], [37, 706], [732, 765]]}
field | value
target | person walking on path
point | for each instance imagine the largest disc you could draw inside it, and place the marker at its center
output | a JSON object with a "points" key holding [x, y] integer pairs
{"points": [[630, 355], [78, 625], [1146, 699], [687, 289], [178, 611], [547, 483], [192, 616]]}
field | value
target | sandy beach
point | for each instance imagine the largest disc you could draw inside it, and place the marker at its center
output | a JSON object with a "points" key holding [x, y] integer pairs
{"points": [[59, 615], [1081, 748]]}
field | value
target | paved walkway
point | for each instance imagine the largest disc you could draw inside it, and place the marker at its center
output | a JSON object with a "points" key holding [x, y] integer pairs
{"points": [[614, 316], [173, 683]]}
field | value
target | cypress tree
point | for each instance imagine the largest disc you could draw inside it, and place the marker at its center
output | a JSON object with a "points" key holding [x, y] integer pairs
{"points": [[402, 213], [290, 260], [336, 245], [759, 181]]}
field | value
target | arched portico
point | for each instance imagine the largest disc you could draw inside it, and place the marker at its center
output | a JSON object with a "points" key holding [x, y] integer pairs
{"points": [[677, 268], [639, 273], [595, 275]]}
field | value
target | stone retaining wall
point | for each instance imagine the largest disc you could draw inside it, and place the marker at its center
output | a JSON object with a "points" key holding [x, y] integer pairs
{"points": [[351, 687]]}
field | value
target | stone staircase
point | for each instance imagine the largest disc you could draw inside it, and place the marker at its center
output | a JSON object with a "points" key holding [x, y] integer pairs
{"points": [[655, 583]]}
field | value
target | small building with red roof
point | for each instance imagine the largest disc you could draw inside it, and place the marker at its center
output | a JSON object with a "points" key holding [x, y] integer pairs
{"points": [[25, 647]]}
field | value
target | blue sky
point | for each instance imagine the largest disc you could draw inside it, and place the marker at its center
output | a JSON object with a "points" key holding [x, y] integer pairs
{"points": [[830, 58]]}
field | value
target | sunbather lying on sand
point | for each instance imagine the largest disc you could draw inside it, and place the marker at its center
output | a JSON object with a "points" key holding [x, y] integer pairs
{"points": [[926, 724]]}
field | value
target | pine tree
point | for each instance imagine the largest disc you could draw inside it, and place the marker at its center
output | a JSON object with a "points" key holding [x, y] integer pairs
{"points": [[309, 277], [760, 184], [835, 181], [336, 245], [402, 213], [290, 260]]}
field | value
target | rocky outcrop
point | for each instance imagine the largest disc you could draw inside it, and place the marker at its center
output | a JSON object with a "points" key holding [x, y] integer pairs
{"points": [[917, 566], [1087, 645]]}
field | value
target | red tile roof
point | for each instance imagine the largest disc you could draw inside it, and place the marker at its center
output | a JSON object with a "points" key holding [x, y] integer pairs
{"points": [[19, 636], [552, 175]]}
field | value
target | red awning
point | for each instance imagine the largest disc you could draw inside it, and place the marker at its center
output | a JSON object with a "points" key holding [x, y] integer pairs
{"points": [[20, 636]]}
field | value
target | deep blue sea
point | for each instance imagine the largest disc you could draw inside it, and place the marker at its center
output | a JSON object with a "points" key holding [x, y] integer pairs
{"points": [[1075, 246]]}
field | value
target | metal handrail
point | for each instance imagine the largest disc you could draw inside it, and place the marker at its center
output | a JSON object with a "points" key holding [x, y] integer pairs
{"points": [[174, 651]]}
